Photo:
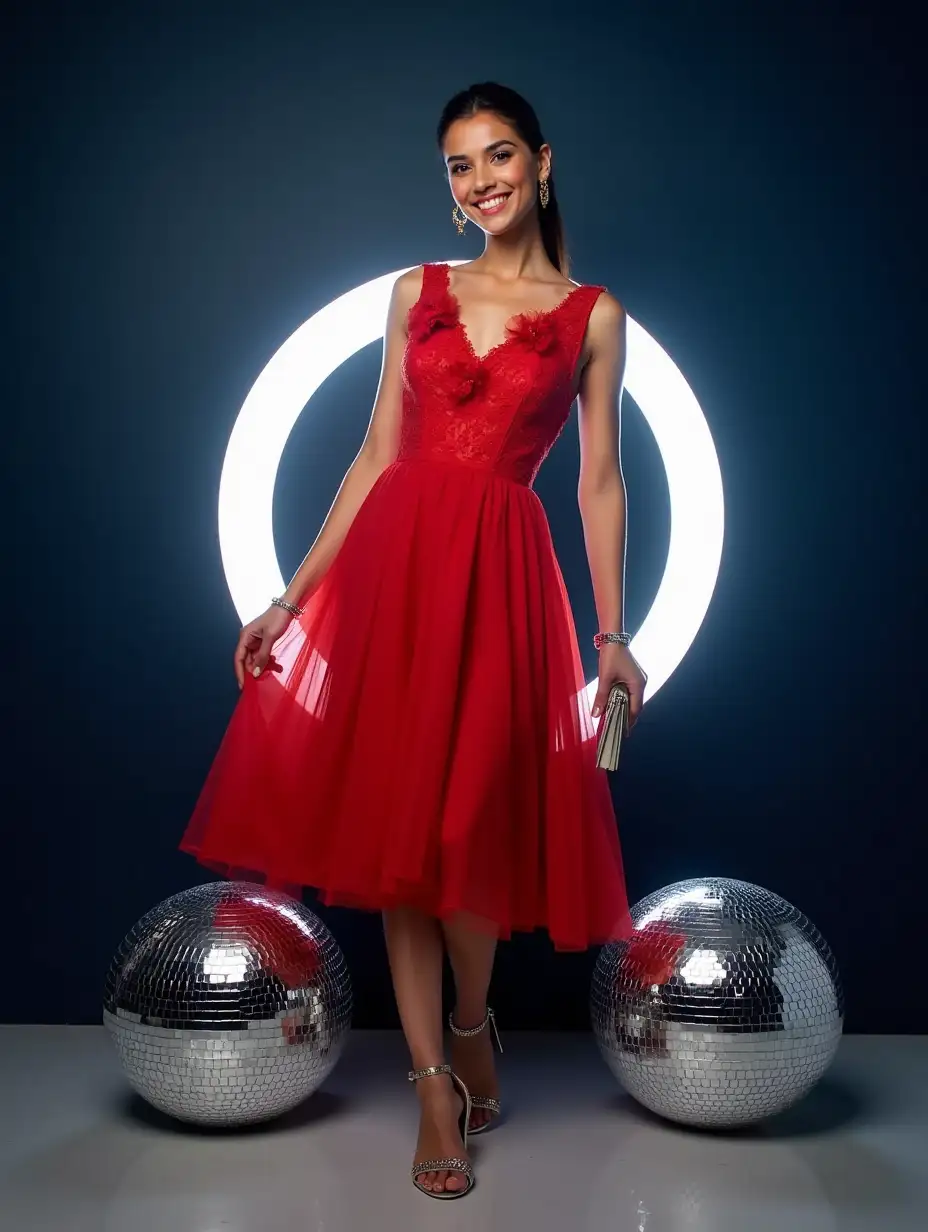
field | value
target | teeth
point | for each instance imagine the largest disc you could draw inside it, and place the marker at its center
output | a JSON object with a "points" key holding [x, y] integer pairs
{"points": [[493, 201]]}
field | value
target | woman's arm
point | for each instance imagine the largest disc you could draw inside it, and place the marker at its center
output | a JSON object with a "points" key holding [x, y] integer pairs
{"points": [[601, 489], [601, 493], [378, 449]]}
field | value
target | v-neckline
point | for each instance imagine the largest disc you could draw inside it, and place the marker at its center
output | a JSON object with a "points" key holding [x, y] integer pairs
{"points": [[533, 312]]}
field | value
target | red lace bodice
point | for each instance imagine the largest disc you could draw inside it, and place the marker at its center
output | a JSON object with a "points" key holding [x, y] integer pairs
{"points": [[501, 411]]}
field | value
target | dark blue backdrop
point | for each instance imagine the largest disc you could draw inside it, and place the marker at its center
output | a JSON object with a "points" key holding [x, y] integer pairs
{"points": [[191, 182]]}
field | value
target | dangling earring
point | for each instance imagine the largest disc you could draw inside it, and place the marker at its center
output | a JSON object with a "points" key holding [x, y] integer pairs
{"points": [[459, 222], [543, 192]]}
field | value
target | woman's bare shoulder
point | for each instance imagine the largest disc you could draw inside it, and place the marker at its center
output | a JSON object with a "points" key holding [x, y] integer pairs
{"points": [[407, 287], [607, 308]]}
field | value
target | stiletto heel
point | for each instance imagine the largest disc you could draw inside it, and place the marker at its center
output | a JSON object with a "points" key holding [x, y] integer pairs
{"points": [[481, 1101], [453, 1164], [492, 1018]]}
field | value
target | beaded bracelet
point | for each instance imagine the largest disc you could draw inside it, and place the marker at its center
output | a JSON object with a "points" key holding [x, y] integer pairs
{"points": [[599, 639], [290, 607]]}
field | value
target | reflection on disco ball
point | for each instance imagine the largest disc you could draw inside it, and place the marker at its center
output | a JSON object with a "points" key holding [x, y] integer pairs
{"points": [[229, 1003], [723, 1007]]}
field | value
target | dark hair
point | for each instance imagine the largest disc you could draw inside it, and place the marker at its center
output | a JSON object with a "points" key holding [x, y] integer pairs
{"points": [[520, 115]]}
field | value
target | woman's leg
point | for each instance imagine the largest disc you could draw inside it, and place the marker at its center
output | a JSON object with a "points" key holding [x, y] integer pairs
{"points": [[414, 948], [472, 953]]}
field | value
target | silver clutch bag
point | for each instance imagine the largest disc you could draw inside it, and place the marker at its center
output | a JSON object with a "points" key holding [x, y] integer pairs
{"points": [[613, 725]]}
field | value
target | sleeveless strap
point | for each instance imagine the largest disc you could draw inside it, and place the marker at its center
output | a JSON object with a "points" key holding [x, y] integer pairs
{"points": [[434, 277], [576, 318]]}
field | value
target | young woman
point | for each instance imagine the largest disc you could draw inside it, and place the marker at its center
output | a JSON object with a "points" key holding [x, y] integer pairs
{"points": [[413, 734]]}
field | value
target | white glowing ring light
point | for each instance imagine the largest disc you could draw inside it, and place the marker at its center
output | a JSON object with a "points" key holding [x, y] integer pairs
{"points": [[314, 351]]}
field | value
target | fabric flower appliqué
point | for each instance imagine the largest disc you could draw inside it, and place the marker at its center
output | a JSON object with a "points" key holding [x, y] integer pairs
{"points": [[464, 379], [427, 315], [534, 330]]}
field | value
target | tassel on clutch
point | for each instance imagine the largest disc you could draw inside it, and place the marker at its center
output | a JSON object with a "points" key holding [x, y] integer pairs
{"points": [[613, 725]]}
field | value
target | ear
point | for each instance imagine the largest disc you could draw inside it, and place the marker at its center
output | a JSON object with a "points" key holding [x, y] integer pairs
{"points": [[544, 161]]}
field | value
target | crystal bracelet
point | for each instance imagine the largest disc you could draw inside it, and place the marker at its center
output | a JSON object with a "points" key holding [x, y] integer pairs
{"points": [[599, 639], [290, 607]]}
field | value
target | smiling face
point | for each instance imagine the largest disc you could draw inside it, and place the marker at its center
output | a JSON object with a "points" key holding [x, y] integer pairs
{"points": [[492, 172]]}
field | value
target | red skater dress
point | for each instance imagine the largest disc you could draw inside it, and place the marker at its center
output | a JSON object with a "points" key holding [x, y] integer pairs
{"points": [[429, 740]]}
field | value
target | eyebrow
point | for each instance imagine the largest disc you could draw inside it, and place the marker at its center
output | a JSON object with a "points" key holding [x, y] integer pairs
{"points": [[486, 149]]}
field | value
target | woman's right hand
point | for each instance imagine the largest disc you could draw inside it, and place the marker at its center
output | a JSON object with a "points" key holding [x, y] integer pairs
{"points": [[253, 651]]}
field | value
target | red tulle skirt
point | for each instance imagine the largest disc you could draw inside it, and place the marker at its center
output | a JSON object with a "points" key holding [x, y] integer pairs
{"points": [[428, 741]]}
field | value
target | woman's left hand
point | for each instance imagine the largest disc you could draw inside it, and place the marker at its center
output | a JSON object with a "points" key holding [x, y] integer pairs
{"points": [[617, 664]]}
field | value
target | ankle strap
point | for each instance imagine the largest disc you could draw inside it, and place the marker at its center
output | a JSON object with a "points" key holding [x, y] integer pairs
{"points": [[469, 1030], [416, 1074]]}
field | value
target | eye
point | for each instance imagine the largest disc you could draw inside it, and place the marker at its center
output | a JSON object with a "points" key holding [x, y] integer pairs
{"points": [[504, 154]]}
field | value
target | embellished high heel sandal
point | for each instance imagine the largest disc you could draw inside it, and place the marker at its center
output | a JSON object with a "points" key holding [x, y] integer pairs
{"points": [[453, 1164], [481, 1101]]}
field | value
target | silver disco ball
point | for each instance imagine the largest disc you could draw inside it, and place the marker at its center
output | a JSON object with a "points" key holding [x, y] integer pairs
{"points": [[228, 1003], [723, 1007]]}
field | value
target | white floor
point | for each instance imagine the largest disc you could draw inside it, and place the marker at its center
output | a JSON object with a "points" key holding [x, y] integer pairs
{"points": [[80, 1152]]}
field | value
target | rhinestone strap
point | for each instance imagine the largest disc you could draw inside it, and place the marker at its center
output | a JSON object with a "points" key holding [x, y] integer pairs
{"points": [[416, 1074], [469, 1030], [485, 1101], [443, 1165]]}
